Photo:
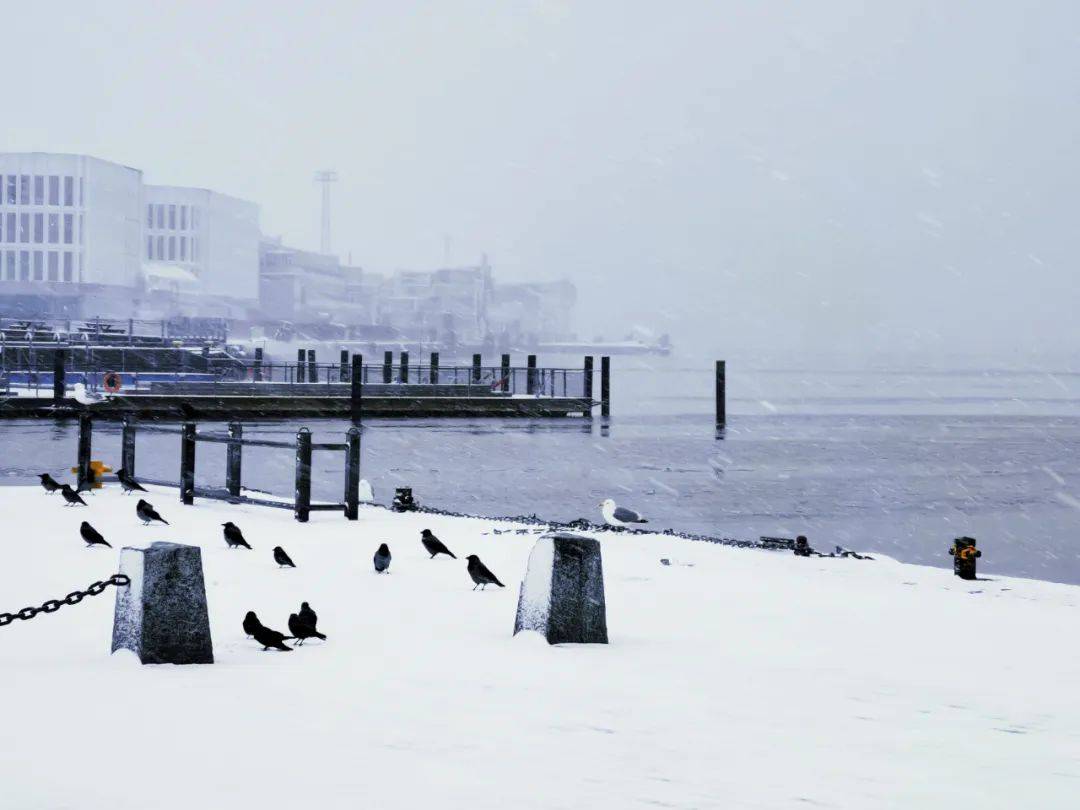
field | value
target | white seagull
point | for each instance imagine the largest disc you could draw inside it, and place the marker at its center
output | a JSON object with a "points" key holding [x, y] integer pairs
{"points": [[618, 515], [84, 397]]}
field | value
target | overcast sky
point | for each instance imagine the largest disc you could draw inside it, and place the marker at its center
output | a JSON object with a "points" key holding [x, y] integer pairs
{"points": [[873, 177]]}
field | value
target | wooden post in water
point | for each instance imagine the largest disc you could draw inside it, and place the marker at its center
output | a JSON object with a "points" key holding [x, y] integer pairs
{"points": [[356, 390], [312, 369], [59, 386], [300, 374], [587, 383], [404, 368], [187, 463], [233, 456], [434, 368], [84, 475], [302, 503], [721, 394], [127, 445], [605, 386], [477, 360], [256, 372], [387, 368], [530, 374], [504, 373], [352, 473], [343, 366]]}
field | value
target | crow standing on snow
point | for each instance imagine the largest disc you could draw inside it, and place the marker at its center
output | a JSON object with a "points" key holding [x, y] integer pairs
{"points": [[382, 559], [282, 559], [251, 623], [128, 483], [307, 614], [48, 483], [302, 630], [480, 574], [270, 638], [433, 545], [92, 536], [147, 513], [233, 537], [71, 496]]}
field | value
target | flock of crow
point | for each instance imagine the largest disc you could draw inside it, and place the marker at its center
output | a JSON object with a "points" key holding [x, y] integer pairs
{"points": [[302, 625]]}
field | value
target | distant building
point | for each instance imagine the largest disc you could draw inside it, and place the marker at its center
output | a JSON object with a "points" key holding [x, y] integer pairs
{"points": [[305, 287], [449, 304], [524, 314]]}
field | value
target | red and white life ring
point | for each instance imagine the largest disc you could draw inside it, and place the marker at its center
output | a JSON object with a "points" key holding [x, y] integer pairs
{"points": [[112, 382]]}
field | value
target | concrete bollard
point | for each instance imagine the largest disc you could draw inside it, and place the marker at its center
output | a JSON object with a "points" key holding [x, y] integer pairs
{"points": [[562, 595], [161, 616]]}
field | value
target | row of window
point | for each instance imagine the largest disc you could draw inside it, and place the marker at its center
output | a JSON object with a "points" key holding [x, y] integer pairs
{"points": [[166, 216], [39, 228], [36, 189], [39, 265], [172, 248]]}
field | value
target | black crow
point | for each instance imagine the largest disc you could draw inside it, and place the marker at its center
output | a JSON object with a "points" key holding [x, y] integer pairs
{"points": [[71, 496], [48, 483], [91, 535], [480, 573], [307, 615], [233, 537], [382, 559], [128, 483], [251, 623], [434, 545], [302, 630], [147, 513], [282, 559], [270, 638]]}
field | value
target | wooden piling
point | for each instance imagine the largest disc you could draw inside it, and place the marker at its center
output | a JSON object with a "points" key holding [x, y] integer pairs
{"points": [[530, 374], [313, 371], [302, 502], [434, 375], [387, 368], [404, 368], [477, 373], [187, 463], [356, 390], [300, 371], [605, 386], [721, 394], [59, 384], [504, 373], [127, 445], [233, 458], [352, 473], [587, 382], [84, 475], [257, 371], [343, 366]]}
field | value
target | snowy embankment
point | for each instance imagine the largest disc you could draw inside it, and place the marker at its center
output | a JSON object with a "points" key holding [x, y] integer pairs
{"points": [[734, 678]]}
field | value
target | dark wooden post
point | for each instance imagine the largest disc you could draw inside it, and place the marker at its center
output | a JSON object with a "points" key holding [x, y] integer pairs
{"points": [[233, 455], [343, 366], [84, 475], [300, 365], [587, 382], [404, 367], [356, 390], [434, 368], [302, 503], [256, 374], [127, 445], [131, 331], [530, 374], [352, 473], [187, 463], [313, 372], [504, 373], [59, 389], [477, 360], [721, 394], [605, 386], [387, 367]]}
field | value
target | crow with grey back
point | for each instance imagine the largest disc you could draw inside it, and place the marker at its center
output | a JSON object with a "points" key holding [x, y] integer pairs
{"points": [[147, 513], [382, 559], [128, 483]]}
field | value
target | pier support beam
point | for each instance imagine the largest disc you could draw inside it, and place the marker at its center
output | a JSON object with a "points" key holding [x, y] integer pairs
{"points": [[387, 368], [404, 368], [59, 384], [605, 386], [352, 473], [187, 463], [127, 445], [256, 371], [313, 371], [343, 366], [530, 374], [721, 395], [587, 382], [233, 458], [356, 390], [434, 368], [477, 361], [84, 475], [300, 373], [302, 503], [504, 374]]}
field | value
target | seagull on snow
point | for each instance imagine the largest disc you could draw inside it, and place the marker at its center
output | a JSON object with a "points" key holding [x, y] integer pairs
{"points": [[618, 515]]}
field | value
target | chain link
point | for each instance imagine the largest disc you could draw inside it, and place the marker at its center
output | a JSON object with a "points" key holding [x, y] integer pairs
{"points": [[73, 598]]}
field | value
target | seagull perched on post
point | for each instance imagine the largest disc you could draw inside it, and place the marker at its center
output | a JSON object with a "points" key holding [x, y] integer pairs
{"points": [[85, 397], [618, 515]]}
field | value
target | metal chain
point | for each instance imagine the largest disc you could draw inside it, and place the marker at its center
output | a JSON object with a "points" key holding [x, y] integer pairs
{"points": [[73, 598]]}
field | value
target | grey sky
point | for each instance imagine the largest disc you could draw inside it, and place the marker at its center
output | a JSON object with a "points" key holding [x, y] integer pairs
{"points": [[752, 176]]}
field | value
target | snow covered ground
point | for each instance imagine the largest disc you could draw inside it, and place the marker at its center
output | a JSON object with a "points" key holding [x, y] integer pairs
{"points": [[734, 678]]}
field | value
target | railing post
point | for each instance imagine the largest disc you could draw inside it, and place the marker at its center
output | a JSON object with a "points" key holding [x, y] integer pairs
{"points": [[343, 366], [504, 374], [721, 394], [257, 372], [587, 383], [477, 360], [84, 475], [387, 367], [59, 386], [352, 473], [313, 371], [356, 390], [127, 445], [187, 463], [300, 365], [605, 386], [404, 367], [434, 368], [233, 458], [530, 375], [302, 503]]}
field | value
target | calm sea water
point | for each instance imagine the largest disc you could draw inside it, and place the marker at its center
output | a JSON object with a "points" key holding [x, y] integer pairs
{"points": [[893, 461]]}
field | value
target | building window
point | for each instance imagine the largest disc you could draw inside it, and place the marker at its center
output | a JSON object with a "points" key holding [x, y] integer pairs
{"points": [[24, 227], [149, 247], [54, 229], [11, 265], [39, 265], [82, 234], [81, 203], [11, 228], [54, 189], [194, 218], [194, 246], [150, 216], [172, 217], [183, 217], [39, 228], [81, 266], [161, 216], [39, 189], [67, 265], [11, 184], [161, 247], [24, 189], [69, 191], [54, 266], [183, 248], [1, 239], [172, 247]]}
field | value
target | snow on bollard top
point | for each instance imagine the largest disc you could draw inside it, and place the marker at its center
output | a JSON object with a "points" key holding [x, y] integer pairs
{"points": [[562, 595]]}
